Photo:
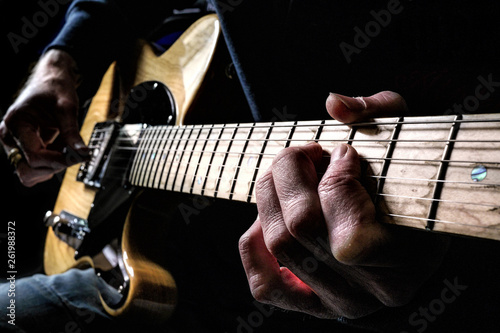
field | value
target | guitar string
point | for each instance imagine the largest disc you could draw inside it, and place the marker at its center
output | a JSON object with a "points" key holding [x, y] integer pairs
{"points": [[308, 123], [154, 152], [250, 196], [187, 166], [312, 140], [417, 198], [444, 222]]}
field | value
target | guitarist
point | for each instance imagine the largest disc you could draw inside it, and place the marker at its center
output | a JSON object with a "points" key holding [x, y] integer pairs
{"points": [[288, 55]]}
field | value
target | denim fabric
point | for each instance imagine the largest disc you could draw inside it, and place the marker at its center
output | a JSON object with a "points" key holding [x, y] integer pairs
{"points": [[67, 302]]}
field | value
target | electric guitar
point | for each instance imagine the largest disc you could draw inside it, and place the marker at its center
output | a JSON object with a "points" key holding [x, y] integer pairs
{"points": [[436, 173]]}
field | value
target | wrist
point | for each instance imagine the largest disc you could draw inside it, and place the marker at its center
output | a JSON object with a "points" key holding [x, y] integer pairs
{"points": [[58, 64]]}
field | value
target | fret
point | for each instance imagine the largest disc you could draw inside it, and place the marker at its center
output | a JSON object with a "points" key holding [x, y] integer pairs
{"points": [[352, 134], [436, 194], [168, 157], [411, 162], [154, 157], [162, 156], [387, 158], [216, 161], [203, 163], [332, 136], [250, 194], [226, 162], [305, 132], [276, 141], [318, 131], [194, 158], [175, 160], [290, 135], [187, 154], [162, 141], [473, 205], [241, 150], [248, 164], [141, 157], [135, 163], [149, 154]]}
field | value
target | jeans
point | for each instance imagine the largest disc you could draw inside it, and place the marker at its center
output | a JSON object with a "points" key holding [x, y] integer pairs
{"points": [[67, 302]]}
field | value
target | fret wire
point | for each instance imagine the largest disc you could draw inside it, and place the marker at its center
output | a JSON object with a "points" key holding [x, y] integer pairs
{"points": [[173, 159], [259, 160], [164, 160], [211, 160], [443, 166], [180, 159], [148, 151], [141, 158], [154, 153], [222, 167], [190, 157], [199, 160], [240, 161], [388, 154], [160, 153]]}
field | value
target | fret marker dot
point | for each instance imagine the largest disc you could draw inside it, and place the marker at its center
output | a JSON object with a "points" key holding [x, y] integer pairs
{"points": [[479, 173], [200, 180]]}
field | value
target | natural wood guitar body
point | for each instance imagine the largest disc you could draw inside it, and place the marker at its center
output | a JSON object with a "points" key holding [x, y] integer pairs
{"points": [[182, 68]]}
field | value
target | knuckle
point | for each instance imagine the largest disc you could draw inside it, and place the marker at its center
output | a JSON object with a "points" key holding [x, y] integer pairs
{"points": [[280, 245], [261, 292], [290, 156], [303, 214]]}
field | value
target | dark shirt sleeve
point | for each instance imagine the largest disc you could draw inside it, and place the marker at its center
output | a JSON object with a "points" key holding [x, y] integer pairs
{"points": [[95, 32]]}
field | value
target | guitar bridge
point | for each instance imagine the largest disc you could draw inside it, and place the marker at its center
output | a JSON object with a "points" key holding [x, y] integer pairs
{"points": [[92, 172], [68, 227]]}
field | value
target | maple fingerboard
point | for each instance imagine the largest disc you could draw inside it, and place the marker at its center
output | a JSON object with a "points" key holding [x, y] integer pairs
{"points": [[439, 173]]}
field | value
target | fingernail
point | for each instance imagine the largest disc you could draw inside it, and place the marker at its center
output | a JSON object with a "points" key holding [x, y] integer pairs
{"points": [[339, 152], [353, 104]]}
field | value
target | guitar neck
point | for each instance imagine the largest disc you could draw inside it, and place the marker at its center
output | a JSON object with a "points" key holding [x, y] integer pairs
{"points": [[437, 173]]}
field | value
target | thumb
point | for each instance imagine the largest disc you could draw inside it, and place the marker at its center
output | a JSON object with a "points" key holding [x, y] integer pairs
{"points": [[355, 236], [69, 129], [354, 109]]}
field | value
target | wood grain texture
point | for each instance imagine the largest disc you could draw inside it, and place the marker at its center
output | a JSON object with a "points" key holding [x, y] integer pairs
{"points": [[182, 68]]}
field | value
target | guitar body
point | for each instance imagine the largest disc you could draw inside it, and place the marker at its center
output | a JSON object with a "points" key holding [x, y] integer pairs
{"points": [[182, 68]]}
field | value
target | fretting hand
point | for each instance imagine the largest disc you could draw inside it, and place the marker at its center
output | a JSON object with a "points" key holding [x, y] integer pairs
{"points": [[316, 246]]}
